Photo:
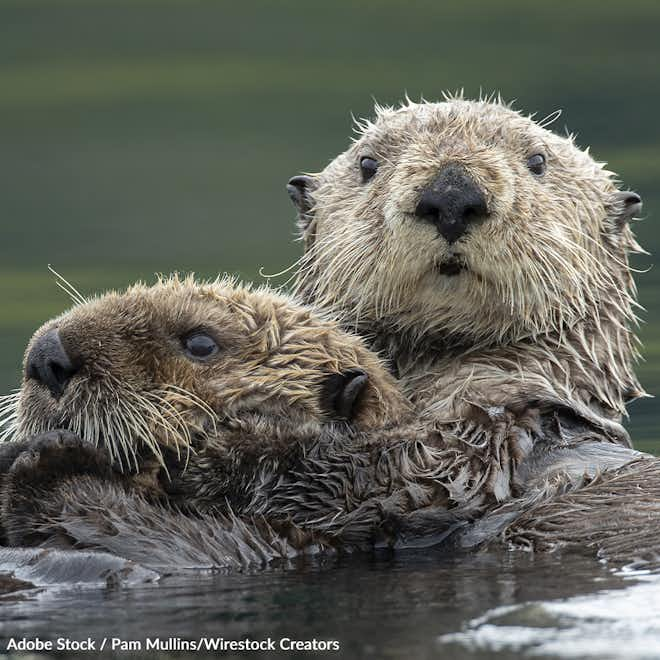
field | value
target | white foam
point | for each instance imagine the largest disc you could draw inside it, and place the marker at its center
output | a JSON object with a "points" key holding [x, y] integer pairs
{"points": [[623, 623]]}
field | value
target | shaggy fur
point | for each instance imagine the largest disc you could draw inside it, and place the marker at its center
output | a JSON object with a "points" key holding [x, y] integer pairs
{"points": [[343, 493], [614, 512], [242, 485], [138, 394], [519, 366], [542, 310], [62, 494]]}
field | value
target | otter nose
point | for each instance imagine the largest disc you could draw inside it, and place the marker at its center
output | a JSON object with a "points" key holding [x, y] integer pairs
{"points": [[48, 363], [453, 202]]}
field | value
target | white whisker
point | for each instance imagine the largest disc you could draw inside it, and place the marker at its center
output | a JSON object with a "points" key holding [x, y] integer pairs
{"points": [[67, 287]]}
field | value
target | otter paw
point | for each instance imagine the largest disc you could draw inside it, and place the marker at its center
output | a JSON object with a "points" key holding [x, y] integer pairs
{"points": [[56, 454], [9, 452], [39, 483]]}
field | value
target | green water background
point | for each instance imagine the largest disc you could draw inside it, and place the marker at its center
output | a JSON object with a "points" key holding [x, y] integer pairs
{"points": [[141, 136]]}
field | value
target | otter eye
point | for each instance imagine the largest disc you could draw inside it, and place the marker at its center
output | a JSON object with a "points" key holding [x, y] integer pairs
{"points": [[368, 167], [200, 346], [536, 164]]}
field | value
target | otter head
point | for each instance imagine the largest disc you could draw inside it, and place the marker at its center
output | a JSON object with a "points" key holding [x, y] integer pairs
{"points": [[171, 364], [467, 222]]}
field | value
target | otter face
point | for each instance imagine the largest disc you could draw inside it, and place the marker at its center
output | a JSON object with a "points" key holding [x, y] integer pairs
{"points": [[464, 220], [168, 365]]}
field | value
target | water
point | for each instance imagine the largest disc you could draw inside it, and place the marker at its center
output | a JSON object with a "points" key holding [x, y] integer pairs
{"points": [[411, 605], [140, 137], [612, 623]]}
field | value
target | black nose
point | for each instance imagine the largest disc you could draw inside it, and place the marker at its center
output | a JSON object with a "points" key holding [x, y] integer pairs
{"points": [[453, 202], [49, 363], [297, 187]]}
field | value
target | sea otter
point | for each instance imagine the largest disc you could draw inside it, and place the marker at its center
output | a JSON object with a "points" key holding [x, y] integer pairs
{"points": [[160, 372], [484, 256], [218, 467], [220, 398]]}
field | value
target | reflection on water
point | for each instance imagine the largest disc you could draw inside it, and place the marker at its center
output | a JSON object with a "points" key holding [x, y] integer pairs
{"points": [[407, 606], [610, 624]]}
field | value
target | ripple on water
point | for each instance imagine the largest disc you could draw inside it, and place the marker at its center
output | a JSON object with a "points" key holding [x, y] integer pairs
{"points": [[614, 623]]}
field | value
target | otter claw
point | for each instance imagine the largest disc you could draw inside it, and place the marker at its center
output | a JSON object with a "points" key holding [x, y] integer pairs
{"points": [[58, 439]]}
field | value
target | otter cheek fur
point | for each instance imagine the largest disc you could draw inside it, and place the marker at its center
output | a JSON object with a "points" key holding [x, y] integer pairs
{"points": [[177, 365], [471, 244]]}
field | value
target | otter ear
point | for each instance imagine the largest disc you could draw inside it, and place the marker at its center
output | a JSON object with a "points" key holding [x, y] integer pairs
{"points": [[341, 393], [300, 190], [626, 205]]}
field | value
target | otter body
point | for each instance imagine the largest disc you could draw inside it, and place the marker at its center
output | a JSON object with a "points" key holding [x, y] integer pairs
{"points": [[184, 374], [597, 497], [225, 401], [232, 483]]}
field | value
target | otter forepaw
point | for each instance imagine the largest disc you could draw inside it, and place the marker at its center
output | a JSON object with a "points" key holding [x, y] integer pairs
{"points": [[30, 495], [57, 454]]}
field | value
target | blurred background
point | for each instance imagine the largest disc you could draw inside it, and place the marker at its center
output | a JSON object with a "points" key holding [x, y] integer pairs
{"points": [[144, 136]]}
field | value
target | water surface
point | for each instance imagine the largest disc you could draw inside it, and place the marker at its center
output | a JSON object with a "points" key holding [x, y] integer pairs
{"points": [[411, 605]]}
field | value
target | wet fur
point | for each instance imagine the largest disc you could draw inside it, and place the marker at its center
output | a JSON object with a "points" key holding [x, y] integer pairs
{"points": [[514, 372], [257, 487], [139, 395], [542, 314], [345, 491]]}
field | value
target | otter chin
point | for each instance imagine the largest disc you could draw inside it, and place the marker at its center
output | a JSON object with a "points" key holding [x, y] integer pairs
{"points": [[451, 267]]}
